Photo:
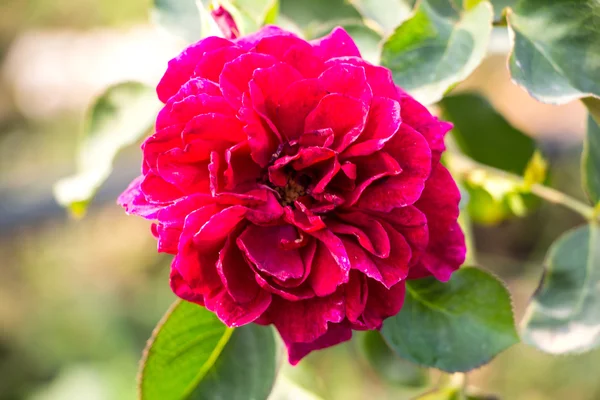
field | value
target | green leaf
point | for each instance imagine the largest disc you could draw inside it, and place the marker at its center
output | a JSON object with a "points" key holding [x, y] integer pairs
{"points": [[192, 355], [590, 162], [564, 314], [180, 17], [555, 54], [388, 365], [445, 393], [485, 136], [499, 6], [118, 118], [453, 326], [437, 48], [314, 17], [250, 15], [387, 15]]}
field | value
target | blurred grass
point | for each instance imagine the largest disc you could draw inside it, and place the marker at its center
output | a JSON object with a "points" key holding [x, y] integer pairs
{"points": [[78, 299]]}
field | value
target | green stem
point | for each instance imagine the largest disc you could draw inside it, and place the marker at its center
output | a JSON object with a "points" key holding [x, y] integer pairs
{"points": [[465, 166]]}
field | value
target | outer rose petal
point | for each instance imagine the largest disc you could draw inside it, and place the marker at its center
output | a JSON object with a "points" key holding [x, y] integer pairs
{"points": [[134, 201], [336, 333], [249, 41], [382, 303], [446, 250], [337, 44], [181, 68], [305, 321], [419, 118]]}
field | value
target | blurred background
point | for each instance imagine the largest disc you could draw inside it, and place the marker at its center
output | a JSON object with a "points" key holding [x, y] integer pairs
{"points": [[78, 299]]}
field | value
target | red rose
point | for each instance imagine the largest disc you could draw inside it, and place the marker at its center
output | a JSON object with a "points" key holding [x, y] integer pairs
{"points": [[296, 185]]}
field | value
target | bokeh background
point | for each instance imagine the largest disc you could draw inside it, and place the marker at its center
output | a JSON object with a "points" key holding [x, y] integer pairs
{"points": [[78, 299]]}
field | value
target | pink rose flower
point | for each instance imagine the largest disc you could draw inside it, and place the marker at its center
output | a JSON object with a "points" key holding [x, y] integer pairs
{"points": [[296, 185]]}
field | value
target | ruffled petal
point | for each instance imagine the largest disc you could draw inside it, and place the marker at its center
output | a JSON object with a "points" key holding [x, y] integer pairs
{"points": [[305, 321], [182, 67], [344, 115], [337, 44], [261, 246], [336, 333], [382, 123], [439, 202], [382, 303], [236, 74]]}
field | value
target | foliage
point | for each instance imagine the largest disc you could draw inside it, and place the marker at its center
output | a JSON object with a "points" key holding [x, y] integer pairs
{"points": [[454, 326]]}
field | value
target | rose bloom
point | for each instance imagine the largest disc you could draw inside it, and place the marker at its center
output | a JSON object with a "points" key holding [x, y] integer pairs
{"points": [[296, 185]]}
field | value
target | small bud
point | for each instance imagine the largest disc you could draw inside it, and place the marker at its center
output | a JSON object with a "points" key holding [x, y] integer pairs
{"points": [[225, 22]]}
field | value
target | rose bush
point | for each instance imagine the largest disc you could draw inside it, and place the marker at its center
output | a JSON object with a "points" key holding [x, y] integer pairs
{"points": [[296, 185]]}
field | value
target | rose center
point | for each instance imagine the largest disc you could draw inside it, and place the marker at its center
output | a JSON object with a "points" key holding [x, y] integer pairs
{"points": [[290, 192]]}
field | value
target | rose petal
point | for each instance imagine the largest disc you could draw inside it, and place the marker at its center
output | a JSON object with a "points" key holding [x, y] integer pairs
{"points": [[337, 44], [261, 246], [336, 333], [382, 303], [237, 73], [439, 201], [344, 115], [347, 80], [379, 78], [306, 320], [248, 42], [298, 101], [181, 68], [411, 151], [382, 123]]}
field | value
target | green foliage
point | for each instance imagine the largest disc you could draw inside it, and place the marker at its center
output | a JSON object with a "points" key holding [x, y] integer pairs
{"points": [[564, 315], [444, 393], [180, 17], [485, 136], [555, 55], [388, 365], [387, 15], [437, 48], [314, 17], [118, 118], [250, 15], [453, 326], [590, 163], [192, 355], [191, 19]]}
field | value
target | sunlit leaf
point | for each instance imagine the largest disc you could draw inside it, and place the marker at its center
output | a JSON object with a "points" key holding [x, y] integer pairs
{"points": [[485, 136], [590, 163], [444, 393], [314, 17], [454, 326], [388, 365], [386, 14], [192, 355], [180, 17], [250, 15], [437, 47], [118, 118], [555, 54], [564, 314]]}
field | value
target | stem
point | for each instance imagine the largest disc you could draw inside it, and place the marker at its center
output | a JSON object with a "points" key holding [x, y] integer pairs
{"points": [[465, 166]]}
